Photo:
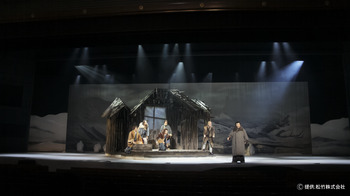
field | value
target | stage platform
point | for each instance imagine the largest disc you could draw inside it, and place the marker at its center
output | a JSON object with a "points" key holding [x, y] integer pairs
{"points": [[170, 160], [155, 153], [89, 173]]}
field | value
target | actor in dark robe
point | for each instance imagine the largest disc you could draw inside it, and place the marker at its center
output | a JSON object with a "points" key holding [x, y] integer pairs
{"points": [[239, 138], [208, 137]]}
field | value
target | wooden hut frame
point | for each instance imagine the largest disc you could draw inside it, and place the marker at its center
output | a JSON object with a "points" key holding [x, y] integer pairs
{"points": [[117, 115], [182, 114]]}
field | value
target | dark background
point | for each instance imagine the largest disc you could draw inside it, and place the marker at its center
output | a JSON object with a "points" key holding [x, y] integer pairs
{"points": [[228, 39]]}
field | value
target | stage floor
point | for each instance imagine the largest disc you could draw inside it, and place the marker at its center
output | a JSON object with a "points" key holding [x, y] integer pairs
{"points": [[88, 173], [56, 161]]}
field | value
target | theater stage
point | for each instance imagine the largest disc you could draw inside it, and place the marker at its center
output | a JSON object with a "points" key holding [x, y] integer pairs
{"points": [[171, 161], [89, 173]]}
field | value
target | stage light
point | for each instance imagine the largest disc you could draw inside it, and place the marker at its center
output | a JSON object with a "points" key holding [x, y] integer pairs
{"points": [[87, 72], [276, 48], [273, 72], [77, 80], [169, 63], [84, 58], [143, 68], [208, 78], [164, 71], [140, 51], [193, 77], [274, 67], [165, 50], [290, 72], [187, 49], [172, 78], [176, 50], [94, 74], [188, 53], [188, 59], [179, 73], [262, 71], [288, 51], [277, 53]]}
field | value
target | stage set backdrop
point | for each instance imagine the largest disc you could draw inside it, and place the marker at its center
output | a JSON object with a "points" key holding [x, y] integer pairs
{"points": [[276, 116]]}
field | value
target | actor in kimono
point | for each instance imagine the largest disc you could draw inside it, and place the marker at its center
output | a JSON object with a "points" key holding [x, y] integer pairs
{"points": [[208, 137], [161, 139], [144, 131], [239, 138], [133, 138], [170, 133]]}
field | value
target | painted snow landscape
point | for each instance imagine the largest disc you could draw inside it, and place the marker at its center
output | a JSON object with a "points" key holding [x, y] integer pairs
{"points": [[48, 133], [331, 138], [276, 117]]}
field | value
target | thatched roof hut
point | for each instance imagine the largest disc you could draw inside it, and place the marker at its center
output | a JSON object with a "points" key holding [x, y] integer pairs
{"points": [[173, 105], [181, 112]]}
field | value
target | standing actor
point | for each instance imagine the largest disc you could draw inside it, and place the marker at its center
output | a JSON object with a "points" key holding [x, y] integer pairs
{"points": [[170, 133], [208, 137], [239, 137], [144, 131]]}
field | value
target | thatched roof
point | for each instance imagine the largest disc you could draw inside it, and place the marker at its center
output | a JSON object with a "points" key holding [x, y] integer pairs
{"points": [[194, 104], [114, 108], [201, 104]]}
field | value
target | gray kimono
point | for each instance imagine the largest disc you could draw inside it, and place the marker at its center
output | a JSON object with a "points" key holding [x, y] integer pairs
{"points": [[238, 137]]}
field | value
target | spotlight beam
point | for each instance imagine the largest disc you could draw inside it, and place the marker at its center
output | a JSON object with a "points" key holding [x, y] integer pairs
{"points": [[262, 71], [179, 74], [93, 74]]}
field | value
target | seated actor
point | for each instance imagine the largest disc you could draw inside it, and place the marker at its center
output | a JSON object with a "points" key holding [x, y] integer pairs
{"points": [[134, 138], [170, 133], [161, 139]]}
